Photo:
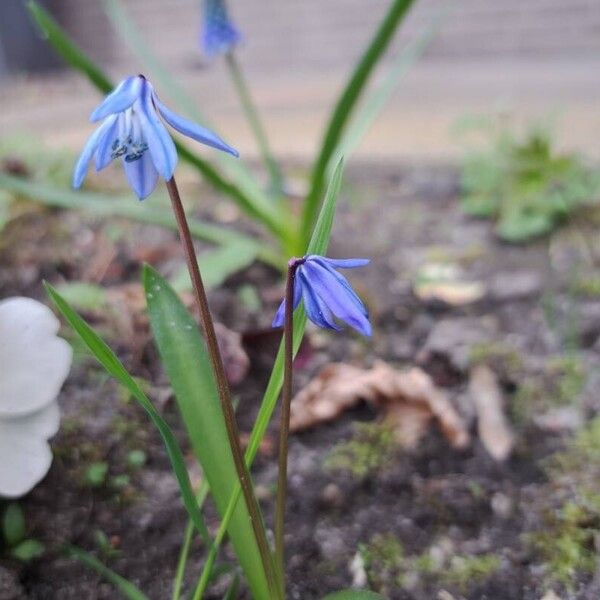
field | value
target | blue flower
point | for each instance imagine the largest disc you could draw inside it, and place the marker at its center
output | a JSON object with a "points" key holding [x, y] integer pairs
{"points": [[327, 294], [218, 33], [132, 130]]}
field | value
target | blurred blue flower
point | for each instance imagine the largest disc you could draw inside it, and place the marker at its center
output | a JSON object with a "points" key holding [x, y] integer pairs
{"points": [[327, 294], [132, 129], [218, 33]]}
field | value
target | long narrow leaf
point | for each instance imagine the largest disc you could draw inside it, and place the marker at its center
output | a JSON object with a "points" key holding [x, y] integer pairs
{"points": [[345, 105], [109, 206], [107, 358], [186, 362], [317, 245], [376, 101], [130, 591], [260, 209]]}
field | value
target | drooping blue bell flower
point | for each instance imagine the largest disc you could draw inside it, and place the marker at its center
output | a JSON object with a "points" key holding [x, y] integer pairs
{"points": [[132, 130], [327, 294], [219, 35]]}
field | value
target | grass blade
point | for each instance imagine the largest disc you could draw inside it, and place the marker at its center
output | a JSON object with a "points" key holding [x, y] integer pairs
{"points": [[109, 206], [130, 591], [186, 362], [345, 105], [107, 358], [317, 245], [375, 103]]}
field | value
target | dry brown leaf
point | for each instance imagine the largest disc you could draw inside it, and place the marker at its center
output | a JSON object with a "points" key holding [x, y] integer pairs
{"points": [[409, 399], [492, 426], [445, 283]]}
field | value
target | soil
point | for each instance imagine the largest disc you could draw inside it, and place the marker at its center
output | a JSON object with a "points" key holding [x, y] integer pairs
{"points": [[430, 499]]}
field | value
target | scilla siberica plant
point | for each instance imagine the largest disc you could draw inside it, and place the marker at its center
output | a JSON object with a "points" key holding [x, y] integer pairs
{"points": [[133, 131]]}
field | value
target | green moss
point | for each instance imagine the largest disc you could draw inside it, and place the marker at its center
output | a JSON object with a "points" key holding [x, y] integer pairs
{"points": [[501, 357], [384, 562], [366, 453], [567, 542], [465, 571], [587, 286], [570, 376]]}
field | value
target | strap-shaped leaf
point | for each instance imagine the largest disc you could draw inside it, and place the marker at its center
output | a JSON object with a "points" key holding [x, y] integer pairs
{"points": [[185, 359], [130, 591], [107, 358], [345, 105], [317, 245]]}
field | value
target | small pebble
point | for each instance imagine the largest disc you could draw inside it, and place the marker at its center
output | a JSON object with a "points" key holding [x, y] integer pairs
{"points": [[332, 495], [502, 505]]}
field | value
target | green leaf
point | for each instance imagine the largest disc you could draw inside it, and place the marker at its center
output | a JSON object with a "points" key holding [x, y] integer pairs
{"points": [[218, 265], [83, 295], [95, 475], [54, 33], [28, 550], [257, 207], [375, 103], [107, 358], [130, 591], [13, 524], [318, 245], [5, 202], [152, 212], [345, 105], [136, 458], [354, 595], [185, 359]]}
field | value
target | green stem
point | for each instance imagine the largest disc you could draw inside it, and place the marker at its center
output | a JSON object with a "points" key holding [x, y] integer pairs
{"points": [[255, 123], [212, 554], [343, 109], [186, 545], [183, 558], [222, 386], [284, 429]]}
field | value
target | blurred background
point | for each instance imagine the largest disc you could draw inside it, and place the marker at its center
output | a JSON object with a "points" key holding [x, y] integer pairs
{"points": [[523, 58]]}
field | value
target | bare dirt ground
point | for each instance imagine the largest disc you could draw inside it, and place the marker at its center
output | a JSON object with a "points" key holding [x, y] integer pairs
{"points": [[431, 522]]}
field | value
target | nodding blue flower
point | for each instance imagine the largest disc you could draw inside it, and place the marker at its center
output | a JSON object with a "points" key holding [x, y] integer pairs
{"points": [[326, 293], [132, 130], [219, 35]]}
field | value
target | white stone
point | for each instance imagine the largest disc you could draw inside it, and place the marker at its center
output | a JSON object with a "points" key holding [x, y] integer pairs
{"points": [[34, 362]]}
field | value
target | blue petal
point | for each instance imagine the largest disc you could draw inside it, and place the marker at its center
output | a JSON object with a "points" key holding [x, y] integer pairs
{"points": [[340, 298], [218, 32], [141, 175], [280, 315], [316, 310], [121, 98], [340, 263], [160, 143], [105, 143], [88, 152], [192, 130], [343, 282]]}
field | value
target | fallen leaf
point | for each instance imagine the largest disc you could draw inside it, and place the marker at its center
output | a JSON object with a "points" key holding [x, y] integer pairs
{"points": [[410, 401], [235, 359], [445, 283], [492, 426]]}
